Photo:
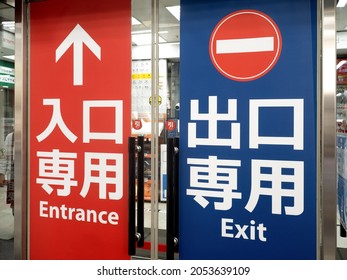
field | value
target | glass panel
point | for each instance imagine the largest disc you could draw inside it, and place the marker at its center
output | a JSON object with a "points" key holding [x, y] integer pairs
{"points": [[141, 92], [341, 119], [166, 108], [169, 94], [6, 132]]}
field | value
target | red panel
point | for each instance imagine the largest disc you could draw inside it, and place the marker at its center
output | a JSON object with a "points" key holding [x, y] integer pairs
{"points": [[68, 176]]}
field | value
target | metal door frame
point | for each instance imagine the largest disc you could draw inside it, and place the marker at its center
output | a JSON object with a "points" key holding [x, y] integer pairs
{"points": [[327, 130]]}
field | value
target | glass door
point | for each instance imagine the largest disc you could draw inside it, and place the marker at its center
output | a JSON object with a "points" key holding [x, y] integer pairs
{"points": [[155, 113], [6, 132], [341, 126]]}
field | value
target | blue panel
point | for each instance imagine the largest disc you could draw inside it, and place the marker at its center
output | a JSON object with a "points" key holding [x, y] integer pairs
{"points": [[246, 199]]}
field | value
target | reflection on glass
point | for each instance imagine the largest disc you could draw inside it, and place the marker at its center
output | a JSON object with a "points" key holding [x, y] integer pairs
{"points": [[7, 46], [6, 169]]}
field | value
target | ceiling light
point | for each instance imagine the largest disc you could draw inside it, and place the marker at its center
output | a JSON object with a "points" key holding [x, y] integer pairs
{"points": [[10, 57], [10, 25], [148, 31], [341, 3], [176, 11], [134, 21], [144, 39], [141, 32], [7, 23], [340, 64]]}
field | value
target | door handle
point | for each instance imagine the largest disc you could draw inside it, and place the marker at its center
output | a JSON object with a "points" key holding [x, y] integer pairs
{"points": [[140, 191], [172, 198], [135, 163], [176, 192]]}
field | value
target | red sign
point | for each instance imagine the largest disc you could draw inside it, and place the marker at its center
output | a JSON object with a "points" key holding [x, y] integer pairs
{"points": [[137, 124], [170, 125], [80, 53], [245, 45]]}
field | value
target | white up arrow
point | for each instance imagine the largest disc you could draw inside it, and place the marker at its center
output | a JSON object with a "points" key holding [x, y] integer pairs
{"points": [[77, 37]]}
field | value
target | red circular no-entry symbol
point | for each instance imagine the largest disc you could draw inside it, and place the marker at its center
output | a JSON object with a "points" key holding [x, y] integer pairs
{"points": [[245, 45]]}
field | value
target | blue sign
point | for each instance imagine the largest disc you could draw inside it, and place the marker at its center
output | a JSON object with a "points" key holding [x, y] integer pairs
{"points": [[248, 118]]}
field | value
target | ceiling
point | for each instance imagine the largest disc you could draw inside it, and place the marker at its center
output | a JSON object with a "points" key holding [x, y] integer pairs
{"points": [[169, 26], [341, 19], [7, 30]]}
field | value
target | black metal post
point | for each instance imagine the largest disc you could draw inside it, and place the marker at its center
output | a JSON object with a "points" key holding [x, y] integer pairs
{"points": [[140, 192], [131, 197]]}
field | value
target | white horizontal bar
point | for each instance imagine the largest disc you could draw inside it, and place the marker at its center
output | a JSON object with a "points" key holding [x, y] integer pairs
{"points": [[261, 44]]}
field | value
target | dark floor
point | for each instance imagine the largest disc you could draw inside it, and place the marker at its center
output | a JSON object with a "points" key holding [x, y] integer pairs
{"points": [[6, 249], [145, 253]]}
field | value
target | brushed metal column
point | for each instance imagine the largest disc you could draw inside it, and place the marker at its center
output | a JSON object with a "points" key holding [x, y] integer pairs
{"points": [[155, 132], [328, 125], [21, 131]]}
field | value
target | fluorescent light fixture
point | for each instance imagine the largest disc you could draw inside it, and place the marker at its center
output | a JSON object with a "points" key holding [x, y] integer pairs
{"points": [[11, 57], [134, 21], [141, 32], [341, 3], [8, 25], [148, 31], [340, 64], [144, 39], [176, 11]]}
